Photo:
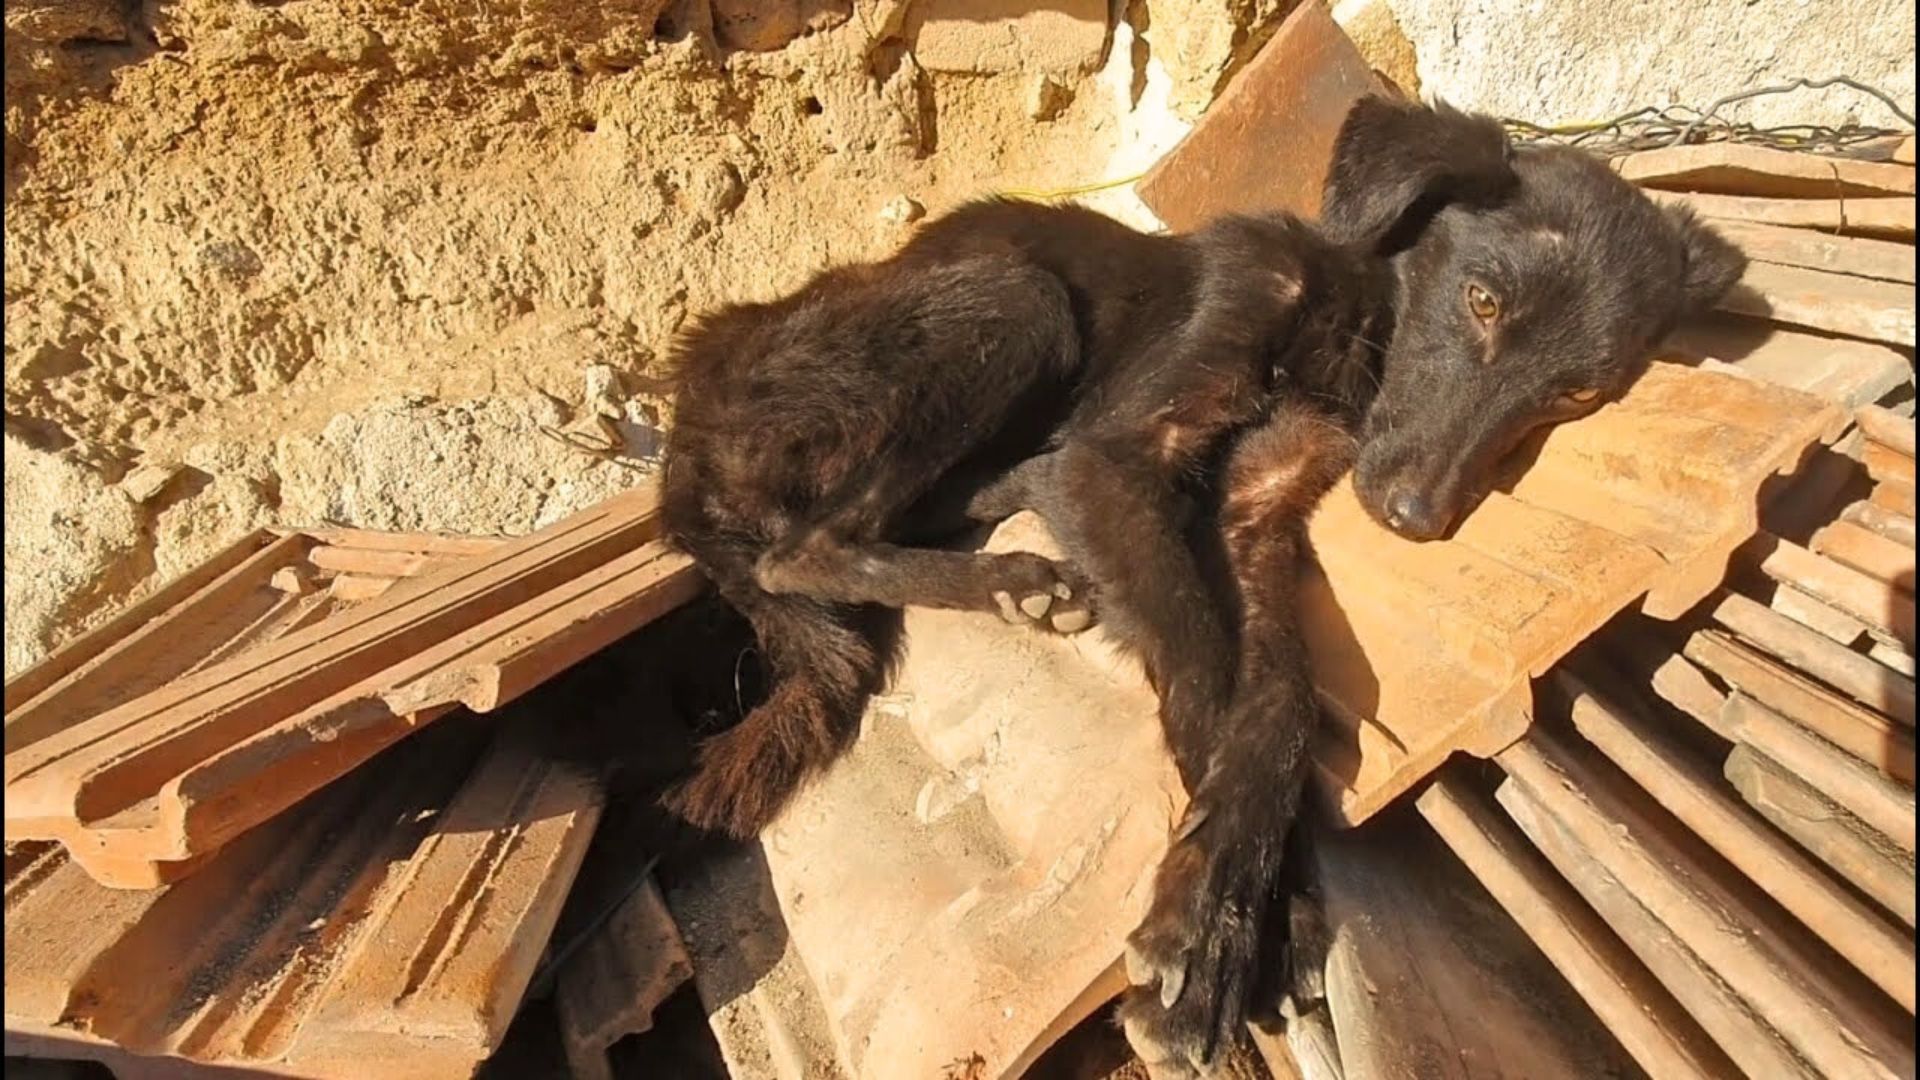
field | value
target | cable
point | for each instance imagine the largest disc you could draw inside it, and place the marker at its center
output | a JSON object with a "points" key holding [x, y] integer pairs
{"points": [[1651, 128]]}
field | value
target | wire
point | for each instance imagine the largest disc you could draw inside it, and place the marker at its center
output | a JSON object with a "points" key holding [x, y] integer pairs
{"points": [[549, 968], [1651, 128], [1070, 192]]}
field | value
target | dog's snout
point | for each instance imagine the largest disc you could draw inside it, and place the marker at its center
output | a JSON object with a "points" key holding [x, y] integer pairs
{"points": [[1411, 514]]}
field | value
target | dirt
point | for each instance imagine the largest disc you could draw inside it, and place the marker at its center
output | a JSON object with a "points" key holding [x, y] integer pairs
{"points": [[417, 266]]}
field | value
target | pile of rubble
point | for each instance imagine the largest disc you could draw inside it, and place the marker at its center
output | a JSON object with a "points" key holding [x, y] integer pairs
{"points": [[305, 810]]}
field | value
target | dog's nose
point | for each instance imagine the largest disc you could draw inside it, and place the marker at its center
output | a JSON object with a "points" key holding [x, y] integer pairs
{"points": [[1412, 515]]}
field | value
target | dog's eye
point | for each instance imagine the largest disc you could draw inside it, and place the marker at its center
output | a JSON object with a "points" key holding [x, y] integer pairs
{"points": [[1580, 397], [1482, 304]]}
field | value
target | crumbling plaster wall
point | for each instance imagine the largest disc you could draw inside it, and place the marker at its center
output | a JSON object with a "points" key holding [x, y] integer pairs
{"points": [[416, 265]]}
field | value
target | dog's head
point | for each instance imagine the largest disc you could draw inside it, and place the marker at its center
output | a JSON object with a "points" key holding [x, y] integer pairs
{"points": [[1532, 285]]}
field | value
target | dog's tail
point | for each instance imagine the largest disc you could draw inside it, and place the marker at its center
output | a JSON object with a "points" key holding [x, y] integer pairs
{"points": [[824, 662]]}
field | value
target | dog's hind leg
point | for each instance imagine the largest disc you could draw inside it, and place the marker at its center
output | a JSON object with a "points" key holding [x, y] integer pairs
{"points": [[788, 480], [824, 661], [1195, 957]]}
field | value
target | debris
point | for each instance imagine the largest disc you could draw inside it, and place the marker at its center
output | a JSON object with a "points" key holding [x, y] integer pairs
{"points": [[1882, 216], [391, 923], [145, 483], [1881, 259], [1831, 834], [1422, 969], [901, 210], [1844, 669], [1842, 370], [1860, 731], [1839, 303], [1669, 774], [181, 767], [1889, 429], [1876, 604], [764, 1010], [1729, 168], [1649, 1023], [610, 988], [1048, 97]]}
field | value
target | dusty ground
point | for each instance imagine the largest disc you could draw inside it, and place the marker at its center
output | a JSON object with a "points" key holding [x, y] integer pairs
{"points": [[414, 266]]}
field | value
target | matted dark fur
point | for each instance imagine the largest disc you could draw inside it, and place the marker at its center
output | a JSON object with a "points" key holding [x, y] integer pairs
{"points": [[1173, 406]]}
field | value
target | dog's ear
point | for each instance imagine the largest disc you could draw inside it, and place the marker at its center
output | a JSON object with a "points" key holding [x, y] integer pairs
{"points": [[1713, 264], [1393, 157]]}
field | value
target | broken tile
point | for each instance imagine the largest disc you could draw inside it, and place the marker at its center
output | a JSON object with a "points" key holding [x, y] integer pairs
{"points": [[1265, 143], [1838, 303], [1731, 168], [202, 754], [1424, 650], [1761, 993], [389, 926], [1887, 217], [610, 988]]}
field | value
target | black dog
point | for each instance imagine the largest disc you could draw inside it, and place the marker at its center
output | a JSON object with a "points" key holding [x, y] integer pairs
{"points": [[1173, 406]]}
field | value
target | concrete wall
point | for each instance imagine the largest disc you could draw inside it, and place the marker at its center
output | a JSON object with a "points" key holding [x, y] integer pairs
{"points": [[1564, 61]]}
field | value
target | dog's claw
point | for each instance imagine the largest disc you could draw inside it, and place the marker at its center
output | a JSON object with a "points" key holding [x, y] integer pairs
{"points": [[1062, 590], [1007, 610], [1190, 823], [1036, 605], [1072, 622], [1172, 981]]}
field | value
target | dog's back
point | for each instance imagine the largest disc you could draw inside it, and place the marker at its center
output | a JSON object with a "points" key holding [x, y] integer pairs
{"points": [[819, 420]]}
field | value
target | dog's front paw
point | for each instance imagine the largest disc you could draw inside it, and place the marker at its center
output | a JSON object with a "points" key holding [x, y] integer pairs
{"points": [[1044, 594], [1193, 960]]}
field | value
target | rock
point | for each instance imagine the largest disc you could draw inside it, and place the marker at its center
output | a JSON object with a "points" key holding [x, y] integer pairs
{"points": [[642, 435], [1376, 33], [1202, 42], [593, 433], [901, 210], [211, 511], [604, 391], [716, 189], [294, 580], [73, 546], [1048, 97], [546, 410], [232, 260], [146, 482], [62, 21], [981, 37]]}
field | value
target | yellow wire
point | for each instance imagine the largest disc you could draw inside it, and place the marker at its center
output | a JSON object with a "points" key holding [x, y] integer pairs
{"points": [[1068, 193]]}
